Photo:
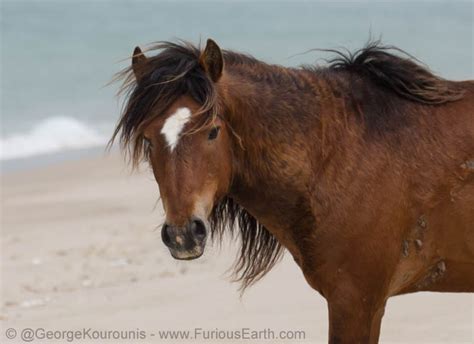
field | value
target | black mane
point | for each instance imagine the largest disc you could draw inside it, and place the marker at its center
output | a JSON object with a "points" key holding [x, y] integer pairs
{"points": [[400, 74]]}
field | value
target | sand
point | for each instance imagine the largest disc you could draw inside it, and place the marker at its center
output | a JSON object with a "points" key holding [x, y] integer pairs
{"points": [[80, 249]]}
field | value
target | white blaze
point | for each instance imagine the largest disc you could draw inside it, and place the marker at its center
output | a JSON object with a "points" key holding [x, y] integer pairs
{"points": [[174, 125]]}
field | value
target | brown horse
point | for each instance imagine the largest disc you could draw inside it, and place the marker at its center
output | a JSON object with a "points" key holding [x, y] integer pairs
{"points": [[363, 169]]}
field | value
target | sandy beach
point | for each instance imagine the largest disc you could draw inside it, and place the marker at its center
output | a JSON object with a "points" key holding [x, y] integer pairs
{"points": [[80, 249]]}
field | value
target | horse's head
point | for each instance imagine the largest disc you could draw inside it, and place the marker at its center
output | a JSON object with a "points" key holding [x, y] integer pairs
{"points": [[186, 142], [193, 171]]}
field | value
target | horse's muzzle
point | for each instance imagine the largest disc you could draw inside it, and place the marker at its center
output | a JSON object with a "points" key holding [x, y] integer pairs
{"points": [[185, 242]]}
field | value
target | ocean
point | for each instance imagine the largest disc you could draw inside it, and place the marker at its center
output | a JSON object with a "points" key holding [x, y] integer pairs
{"points": [[57, 57]]}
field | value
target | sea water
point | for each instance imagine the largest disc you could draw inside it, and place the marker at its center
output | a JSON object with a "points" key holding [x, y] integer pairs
{"points": [[58, 56]]}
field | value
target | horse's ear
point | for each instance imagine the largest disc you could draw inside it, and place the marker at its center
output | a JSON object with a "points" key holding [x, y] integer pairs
{"points": [[138, 62], [211, 60]]}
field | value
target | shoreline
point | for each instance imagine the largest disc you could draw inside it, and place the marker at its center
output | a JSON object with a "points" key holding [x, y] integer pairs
{"points": [[54, 158]]}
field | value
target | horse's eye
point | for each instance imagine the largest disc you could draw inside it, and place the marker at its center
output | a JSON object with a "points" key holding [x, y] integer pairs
{"points": [[213, 133], [147, 142]]}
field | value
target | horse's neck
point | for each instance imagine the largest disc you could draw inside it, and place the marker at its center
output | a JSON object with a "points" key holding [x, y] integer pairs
{"points": [[279, 130], [286, 121]]}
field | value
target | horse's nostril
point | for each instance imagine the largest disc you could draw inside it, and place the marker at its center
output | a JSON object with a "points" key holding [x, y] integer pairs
{"points": [[165, 235], [198, 229]]}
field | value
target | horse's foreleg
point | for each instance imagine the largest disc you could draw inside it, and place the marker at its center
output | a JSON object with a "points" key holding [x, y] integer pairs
{"points": [[376, 324], [354, 320]]}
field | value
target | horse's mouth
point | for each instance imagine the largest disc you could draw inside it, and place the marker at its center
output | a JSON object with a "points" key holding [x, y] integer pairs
{"points": [[187, 255], [186, 258]]}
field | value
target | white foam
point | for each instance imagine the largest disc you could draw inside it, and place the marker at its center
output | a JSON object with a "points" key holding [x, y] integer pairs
{"points": [[50, 135]]}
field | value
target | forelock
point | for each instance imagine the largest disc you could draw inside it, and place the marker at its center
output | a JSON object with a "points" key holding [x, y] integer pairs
{"points": [[174, 72]]}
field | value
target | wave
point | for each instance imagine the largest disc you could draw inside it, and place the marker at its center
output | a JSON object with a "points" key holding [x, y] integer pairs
{"points": [[52, 134]]}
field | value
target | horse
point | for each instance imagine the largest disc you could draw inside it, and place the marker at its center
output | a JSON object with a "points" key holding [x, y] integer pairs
{"points": [[361, 168]]}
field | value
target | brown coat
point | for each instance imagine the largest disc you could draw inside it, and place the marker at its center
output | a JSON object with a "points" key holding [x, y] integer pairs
{"points": [[362, 170]]}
